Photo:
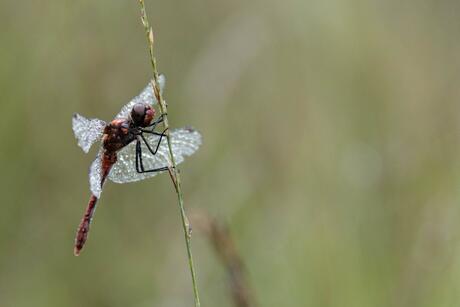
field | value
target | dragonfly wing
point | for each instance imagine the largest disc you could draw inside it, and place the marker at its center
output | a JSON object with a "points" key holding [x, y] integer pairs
{"points": [[184, 142], [87, 130], [146, 96], [95, 175]]}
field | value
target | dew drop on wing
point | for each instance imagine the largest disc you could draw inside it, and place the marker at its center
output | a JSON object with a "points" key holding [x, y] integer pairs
{"points": [[87, 130], [95, 175]]}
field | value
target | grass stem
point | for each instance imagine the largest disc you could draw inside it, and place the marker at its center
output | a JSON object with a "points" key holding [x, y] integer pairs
{"points": [[173, 170]]}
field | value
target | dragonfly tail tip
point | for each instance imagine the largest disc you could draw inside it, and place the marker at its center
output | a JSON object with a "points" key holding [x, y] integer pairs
{"points": [[76, 251]]}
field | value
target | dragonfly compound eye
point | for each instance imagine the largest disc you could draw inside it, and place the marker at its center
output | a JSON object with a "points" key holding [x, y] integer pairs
{"points": [[142, 114], [149, 115], [138, 114]]}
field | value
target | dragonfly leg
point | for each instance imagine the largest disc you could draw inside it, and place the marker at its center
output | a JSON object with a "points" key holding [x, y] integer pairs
{"points": [[155, 170], [153, 132], [157, 121], [140, 165], [161, 135]]}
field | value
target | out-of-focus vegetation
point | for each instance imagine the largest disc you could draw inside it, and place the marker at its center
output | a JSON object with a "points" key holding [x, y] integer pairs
{"points": [[331, 147]]}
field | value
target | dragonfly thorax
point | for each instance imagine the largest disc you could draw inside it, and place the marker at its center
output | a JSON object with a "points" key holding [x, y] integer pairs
{"points": [[117, 134]]}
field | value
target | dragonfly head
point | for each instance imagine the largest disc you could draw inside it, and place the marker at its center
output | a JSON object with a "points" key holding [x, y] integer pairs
{"points": [[142, 114]]}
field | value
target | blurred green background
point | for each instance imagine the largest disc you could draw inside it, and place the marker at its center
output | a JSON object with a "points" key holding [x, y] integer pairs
{"points": [[331, 142]]}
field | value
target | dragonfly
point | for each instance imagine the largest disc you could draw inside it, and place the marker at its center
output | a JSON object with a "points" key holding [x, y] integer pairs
{"points": [[130, 149]]}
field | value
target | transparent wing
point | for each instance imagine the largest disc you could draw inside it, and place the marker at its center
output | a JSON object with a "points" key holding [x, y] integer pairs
{"points": [[184, 142], [146, 96], [87, 130], [95, 175]]}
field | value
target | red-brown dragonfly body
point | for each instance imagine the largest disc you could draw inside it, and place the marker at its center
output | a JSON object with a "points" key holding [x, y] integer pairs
{"points": [[117, 134], [131, 149]]}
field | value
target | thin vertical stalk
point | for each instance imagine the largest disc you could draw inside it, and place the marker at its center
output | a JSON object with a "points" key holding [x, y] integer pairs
{"points": [[173, 170]]}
